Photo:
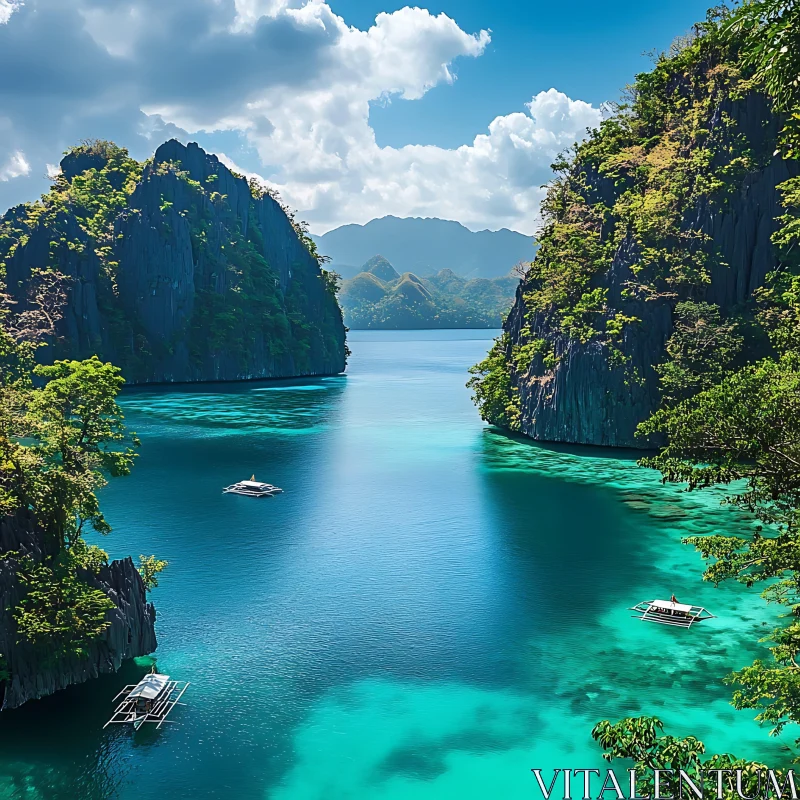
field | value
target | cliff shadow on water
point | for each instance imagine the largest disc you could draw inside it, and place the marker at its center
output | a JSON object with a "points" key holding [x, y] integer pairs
{"points": [[589, 534], [30, 736], [575, 546]]}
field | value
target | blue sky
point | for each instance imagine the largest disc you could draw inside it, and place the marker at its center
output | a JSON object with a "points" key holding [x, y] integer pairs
{"points": [[588, 50], [353, 109]]}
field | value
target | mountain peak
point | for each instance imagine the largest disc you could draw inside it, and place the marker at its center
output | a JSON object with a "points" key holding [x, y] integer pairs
{"points": [[381, 268]]}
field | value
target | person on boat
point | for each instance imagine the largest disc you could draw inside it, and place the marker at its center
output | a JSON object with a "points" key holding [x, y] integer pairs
{"points": [[679, 612]]}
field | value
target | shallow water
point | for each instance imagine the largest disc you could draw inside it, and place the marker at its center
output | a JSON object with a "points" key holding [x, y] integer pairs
{"points": [[429, 611]]}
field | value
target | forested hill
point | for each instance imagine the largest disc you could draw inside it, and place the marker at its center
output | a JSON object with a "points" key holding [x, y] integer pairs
{"points": [[671, 242], [424, 246], [175, 269], [379, 297]]}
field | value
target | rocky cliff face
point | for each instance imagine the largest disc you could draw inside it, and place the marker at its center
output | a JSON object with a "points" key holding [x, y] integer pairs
{"points": [[35, 674], [596, 391], [182, 274]]}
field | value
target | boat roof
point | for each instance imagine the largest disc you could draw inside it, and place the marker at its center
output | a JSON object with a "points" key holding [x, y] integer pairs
{"points": [[150, 686], [256, 484], [673, 606]]}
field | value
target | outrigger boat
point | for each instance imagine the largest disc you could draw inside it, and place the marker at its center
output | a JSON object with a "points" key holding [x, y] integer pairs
{"points": [[252, 488], [671, 612], [150, 700]]}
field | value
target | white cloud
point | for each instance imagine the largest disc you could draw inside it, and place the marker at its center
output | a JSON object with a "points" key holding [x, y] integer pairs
{"points": [[248, 12], [118, 29], [296, 81], [15, 167], [335, 172], [7, 8]]}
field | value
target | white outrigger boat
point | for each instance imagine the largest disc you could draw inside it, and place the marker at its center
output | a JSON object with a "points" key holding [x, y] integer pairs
{"points": [[150, 700], [671, 612], [252, 488]]}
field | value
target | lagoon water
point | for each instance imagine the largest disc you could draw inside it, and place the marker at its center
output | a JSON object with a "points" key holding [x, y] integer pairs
{"points": [[429, 611]]}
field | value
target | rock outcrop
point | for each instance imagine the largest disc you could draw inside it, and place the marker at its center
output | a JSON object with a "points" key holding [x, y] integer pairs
{"points": [[34, 673], [194, 278], [599, 391]]}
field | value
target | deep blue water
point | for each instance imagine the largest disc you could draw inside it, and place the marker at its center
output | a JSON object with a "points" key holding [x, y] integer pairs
{"points": [[429, 611]]}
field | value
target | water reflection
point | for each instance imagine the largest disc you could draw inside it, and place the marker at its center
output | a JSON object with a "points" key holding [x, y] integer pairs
{"points": [[69, 723], [608, 534], [429, 610]]}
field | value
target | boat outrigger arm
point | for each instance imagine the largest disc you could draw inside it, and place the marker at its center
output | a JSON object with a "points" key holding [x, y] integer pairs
{"points": [[150, 700], [668, 612]]}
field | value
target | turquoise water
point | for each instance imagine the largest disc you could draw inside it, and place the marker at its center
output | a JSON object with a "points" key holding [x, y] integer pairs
{"points": [[429, 611]]}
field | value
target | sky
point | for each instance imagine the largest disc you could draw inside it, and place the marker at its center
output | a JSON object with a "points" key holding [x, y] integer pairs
{"points": [[353, 109]]}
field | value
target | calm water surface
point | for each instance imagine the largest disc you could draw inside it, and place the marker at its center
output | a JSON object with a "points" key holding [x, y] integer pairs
{"points": [[429, 611]]}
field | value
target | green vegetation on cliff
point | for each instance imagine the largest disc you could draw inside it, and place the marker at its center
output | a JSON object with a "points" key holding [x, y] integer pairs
{"points": [[179, 270], [663, 158], [61, 434], [628, 218]]}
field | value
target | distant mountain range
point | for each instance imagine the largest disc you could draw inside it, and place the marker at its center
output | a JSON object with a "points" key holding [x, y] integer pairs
{"points": [[425, 246], [379, 297]]}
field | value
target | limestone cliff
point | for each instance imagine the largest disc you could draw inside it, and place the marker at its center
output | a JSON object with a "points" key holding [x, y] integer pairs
{"points": [[674, 199], [178, 270], [33, 673]]}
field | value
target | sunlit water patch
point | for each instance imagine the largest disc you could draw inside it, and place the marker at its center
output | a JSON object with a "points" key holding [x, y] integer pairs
{"points": [[430, 610]]}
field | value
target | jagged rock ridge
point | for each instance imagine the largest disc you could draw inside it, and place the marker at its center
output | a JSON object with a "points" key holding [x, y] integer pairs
{"points": [[588, 398], [199, 279], [35, 674]]}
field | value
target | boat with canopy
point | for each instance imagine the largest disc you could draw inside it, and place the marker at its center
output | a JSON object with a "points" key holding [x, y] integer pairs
{"points": [[671, 612], [150, 700], [252, 488]]}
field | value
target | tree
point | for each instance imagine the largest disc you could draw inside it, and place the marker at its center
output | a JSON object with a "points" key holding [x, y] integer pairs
{"points": [[149, 568], [702, 346], [58, 442], [769, 31], [779, 299], [770, 35], [79, 437], [520, 269], [47, 293], [493, 390], [60, 613], [639, 739], [59, 439], [746, 428]]}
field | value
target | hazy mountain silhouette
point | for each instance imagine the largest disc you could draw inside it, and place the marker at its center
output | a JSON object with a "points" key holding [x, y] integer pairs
{"points": [[425, 246]]}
